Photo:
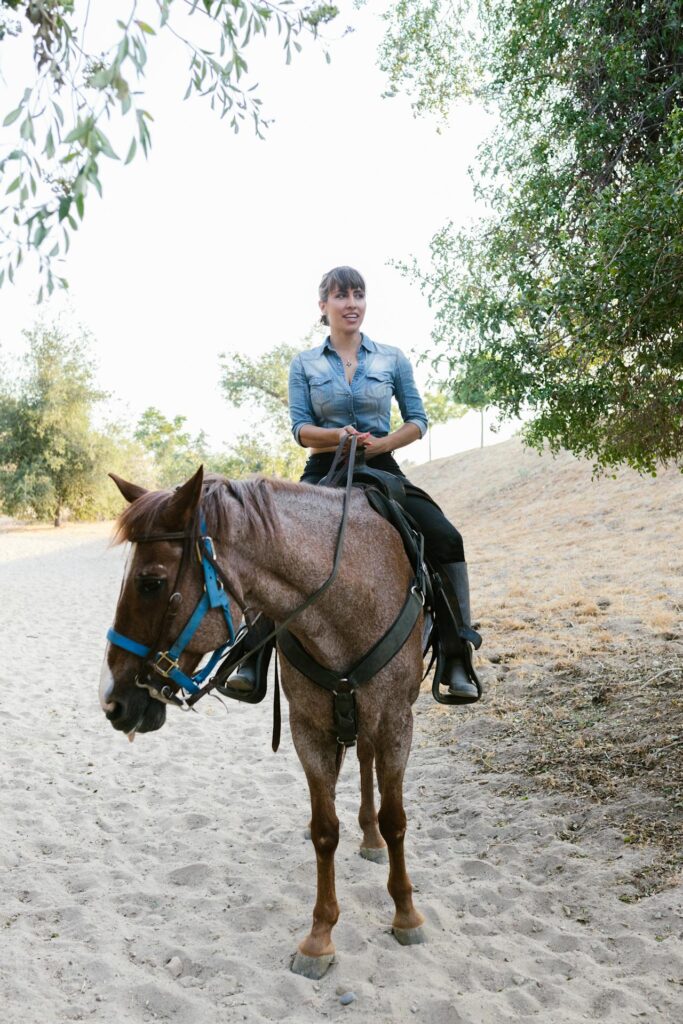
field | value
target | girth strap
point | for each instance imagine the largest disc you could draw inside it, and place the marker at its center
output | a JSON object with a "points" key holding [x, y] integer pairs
{"points": [[343, 684]]}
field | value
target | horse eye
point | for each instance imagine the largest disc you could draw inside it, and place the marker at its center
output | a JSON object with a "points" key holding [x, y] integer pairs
{"points": [[149, 584]]}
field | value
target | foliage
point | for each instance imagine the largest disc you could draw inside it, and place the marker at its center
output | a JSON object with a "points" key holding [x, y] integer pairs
{"points": [[422, 53], [51, 456], [175, 454], [566, 298], [262, 383], [60, 141], [441, 408], [256, 453]]}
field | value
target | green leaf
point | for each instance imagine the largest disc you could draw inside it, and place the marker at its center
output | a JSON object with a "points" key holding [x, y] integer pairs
{"points": [[101, 79], [145, 27], [79, 132], [122, 51], [64, 207], [80, 204], [49, 145], [26, 130], [131, 151], [104, 144], [11, 118], [15, 185]]}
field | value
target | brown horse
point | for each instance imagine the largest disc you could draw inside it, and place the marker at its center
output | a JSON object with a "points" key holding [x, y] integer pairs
{"points": [[274, 542]]}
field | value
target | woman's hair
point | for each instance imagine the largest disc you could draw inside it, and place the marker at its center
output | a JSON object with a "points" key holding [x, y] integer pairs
{"points": [[345, 278]]}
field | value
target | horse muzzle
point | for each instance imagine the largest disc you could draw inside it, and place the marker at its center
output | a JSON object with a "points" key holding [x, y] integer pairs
{"points": [[129, 708]]}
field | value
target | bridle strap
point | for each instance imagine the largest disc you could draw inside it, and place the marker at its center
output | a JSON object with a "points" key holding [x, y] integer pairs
{"points": [[166, 663]]}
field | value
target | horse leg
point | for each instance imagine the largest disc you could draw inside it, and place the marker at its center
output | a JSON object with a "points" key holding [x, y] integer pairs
{"points": [[372, 846], [391, 763], [316, 951], [341, 752]]}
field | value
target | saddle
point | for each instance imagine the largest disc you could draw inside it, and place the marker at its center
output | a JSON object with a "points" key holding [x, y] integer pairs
{"points": [[446, 635]]}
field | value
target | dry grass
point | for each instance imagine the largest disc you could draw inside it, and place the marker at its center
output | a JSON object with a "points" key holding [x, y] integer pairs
{"points": [[578, 586]]}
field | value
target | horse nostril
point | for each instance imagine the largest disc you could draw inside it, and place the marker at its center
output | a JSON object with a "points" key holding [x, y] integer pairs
{"points": [[112, 710]]}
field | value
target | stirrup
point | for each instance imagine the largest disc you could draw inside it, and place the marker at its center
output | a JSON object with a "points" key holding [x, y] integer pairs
{"points": [[441, 678], [257, 667]]}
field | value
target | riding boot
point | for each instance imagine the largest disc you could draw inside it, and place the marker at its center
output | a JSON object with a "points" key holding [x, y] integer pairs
{"points": [[245, 679], [455, 675]]}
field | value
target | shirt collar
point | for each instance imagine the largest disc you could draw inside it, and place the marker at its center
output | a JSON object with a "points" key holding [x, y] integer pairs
{"points": [[367, 343]]}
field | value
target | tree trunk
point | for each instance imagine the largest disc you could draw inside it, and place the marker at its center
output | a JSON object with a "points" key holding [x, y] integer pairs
{"points": [[58, 515]]}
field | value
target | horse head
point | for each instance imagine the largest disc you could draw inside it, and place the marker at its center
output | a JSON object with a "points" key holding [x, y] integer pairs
{"points": [[163, 577]]}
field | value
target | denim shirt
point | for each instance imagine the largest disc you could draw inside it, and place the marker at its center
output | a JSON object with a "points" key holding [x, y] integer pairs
{"points": [[321, 396]]}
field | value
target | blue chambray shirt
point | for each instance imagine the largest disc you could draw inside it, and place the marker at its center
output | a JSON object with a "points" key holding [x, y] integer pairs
{"points": [[320, 395]]}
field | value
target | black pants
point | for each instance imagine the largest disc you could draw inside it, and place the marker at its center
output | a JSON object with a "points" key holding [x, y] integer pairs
{"points": [[442, 541]]}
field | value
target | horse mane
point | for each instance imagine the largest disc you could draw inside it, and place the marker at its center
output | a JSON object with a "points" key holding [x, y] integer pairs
{"points": [[219, 493]]}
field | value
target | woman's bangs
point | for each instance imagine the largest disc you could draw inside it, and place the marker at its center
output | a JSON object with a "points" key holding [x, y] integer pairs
{"points": [[345, 279]]}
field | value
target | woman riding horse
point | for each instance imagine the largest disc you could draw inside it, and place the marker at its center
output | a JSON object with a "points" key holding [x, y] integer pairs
{"points": [[342, 388]]}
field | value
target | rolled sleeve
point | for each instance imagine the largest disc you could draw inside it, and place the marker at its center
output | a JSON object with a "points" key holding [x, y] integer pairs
{"points": [[408, 397], [300, 408]]}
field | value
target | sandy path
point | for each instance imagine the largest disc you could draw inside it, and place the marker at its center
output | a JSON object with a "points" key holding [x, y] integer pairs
{"points": [[189, 843]]}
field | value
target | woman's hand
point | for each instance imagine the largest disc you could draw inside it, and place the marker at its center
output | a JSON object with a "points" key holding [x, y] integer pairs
{"points": [[375, 446], [350, 431]]}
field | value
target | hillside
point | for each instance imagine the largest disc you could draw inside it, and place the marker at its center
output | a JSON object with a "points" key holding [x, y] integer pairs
{"points": [[578, 586]]}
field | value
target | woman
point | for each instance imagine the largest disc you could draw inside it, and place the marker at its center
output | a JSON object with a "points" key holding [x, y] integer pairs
{"points": [[344, 387]]}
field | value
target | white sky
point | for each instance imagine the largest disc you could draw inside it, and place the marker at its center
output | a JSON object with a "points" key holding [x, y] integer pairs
{"points": [[218, 241]]}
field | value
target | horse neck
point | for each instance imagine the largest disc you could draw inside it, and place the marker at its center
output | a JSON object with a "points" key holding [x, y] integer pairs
{"points": [[278, 568]]}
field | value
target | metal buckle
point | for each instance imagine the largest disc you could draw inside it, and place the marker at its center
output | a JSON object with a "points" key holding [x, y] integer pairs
{"points": [[172, 664], [415, 589]]}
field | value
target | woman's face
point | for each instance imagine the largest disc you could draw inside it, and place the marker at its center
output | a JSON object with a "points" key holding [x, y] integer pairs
{"points": [[345, 309]]}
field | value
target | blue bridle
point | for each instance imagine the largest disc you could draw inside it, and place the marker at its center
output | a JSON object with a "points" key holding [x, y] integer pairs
{"points": [[167, 663]]}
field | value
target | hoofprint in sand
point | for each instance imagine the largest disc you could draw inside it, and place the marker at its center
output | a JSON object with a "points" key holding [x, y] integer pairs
{"points": [[170, 879]]}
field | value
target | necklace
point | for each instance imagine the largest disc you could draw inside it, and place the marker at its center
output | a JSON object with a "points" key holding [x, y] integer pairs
{"points": [[348, 363]]}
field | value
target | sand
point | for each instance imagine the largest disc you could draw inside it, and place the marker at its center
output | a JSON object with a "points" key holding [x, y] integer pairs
{"points": [[170, 879]]}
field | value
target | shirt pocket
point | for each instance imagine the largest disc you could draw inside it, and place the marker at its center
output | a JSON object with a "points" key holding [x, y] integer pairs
{"points": [[379, 387], [321, 389]]}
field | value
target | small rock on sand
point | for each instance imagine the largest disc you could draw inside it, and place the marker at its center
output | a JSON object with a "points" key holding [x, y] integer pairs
{"points": [[174, 967]]}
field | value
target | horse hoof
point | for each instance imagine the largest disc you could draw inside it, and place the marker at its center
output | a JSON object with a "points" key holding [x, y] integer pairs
{"points": [[376, 854], [313, 967], [410, 936]]}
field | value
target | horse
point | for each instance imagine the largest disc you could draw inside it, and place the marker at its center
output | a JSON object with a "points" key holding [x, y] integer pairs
{"points": [[274, 542]]}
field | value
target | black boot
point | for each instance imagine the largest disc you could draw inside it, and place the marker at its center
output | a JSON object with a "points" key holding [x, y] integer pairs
{"points": [[457, 675], [250, 678]]}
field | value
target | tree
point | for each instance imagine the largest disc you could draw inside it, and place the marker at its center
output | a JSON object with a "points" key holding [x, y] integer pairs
{"points": [[565, 299], [175, 453], [51, 456], [60, 116], [262, 383]]}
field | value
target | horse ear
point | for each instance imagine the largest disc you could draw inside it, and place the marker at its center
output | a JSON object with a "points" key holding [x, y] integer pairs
{"points": [[185, 500], [131, 492]]}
